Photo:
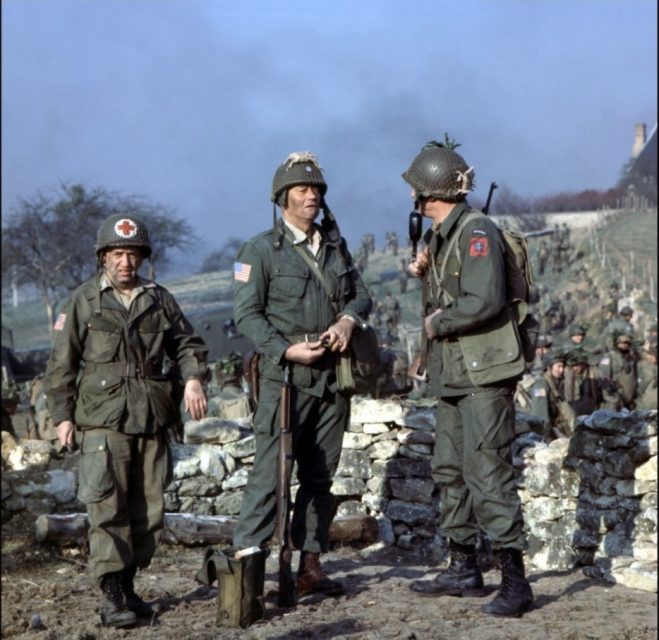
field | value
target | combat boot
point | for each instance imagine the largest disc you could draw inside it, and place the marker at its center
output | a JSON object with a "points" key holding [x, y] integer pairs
{"points": [[312, 579], [515, 595], [114, 612], [133, 601], [463, 576]]}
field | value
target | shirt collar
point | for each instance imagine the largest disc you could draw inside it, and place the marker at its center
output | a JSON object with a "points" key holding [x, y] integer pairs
{"points": [[448, 224], [141, 283]]}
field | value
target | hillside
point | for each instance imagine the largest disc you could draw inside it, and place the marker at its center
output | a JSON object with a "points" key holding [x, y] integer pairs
{"points": [[622, 248]]}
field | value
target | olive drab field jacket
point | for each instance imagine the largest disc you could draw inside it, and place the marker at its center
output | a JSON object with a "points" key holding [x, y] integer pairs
{"points": [[279, 301], [105, 367], [477, 341]]}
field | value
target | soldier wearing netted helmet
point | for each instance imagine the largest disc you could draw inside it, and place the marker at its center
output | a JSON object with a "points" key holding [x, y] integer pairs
{"points": [[283, 280], [106, 381], [474, 363]]}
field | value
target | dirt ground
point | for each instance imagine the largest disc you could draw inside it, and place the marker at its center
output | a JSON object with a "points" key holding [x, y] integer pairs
{"points": [[49, 589]]}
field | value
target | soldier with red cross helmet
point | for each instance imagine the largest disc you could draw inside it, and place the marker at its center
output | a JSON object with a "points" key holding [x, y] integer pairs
{"points": [[106, 379], [474, 362]]}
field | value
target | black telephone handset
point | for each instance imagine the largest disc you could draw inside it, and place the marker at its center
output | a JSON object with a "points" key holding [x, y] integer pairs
{"points": [[415, 231]]}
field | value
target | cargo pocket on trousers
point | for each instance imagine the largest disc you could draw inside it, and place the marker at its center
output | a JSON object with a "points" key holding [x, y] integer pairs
{"points": [[95, 481]]}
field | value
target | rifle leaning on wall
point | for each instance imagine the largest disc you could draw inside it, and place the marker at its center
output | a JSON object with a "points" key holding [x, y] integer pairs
{"points": [[287, 594]]}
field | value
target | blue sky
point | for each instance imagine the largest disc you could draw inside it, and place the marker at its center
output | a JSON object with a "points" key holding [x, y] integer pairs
{"points": [[193, 103]]}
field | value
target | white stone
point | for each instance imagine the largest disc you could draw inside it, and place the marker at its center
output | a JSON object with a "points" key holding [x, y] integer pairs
{"points": [[375, 428], [383, 450], [367, 410], [638, 576], [236, 480], [645, 552], [185, 459], [211, 462], [353, 440], [647, 472]]}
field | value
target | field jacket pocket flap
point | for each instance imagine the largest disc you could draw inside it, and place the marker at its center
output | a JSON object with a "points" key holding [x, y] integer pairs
{"points": [[492, 353]]}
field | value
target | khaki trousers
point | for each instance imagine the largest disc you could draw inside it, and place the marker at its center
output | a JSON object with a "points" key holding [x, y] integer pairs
{"points": [[121, 480]]}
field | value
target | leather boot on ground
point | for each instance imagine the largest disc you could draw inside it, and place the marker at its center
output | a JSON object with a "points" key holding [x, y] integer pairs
{"points": [[133, 601], [463, 576], [114, 612], [515, 595], [312, 579]]}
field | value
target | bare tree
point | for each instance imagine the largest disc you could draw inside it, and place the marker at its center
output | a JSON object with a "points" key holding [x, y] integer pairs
{"points": [[49, 242], [222, 259]]}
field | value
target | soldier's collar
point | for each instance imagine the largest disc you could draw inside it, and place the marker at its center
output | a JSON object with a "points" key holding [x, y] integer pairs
{"points": [[446, 227], [140, 283], [299, 237]]}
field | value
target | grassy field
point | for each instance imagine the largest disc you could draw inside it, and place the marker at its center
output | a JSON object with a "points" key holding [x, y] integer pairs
{"points": [[626, 240]]}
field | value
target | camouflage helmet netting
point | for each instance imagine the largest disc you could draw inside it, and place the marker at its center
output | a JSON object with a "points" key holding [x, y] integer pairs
{"points": [[123, 230], [439, 172], [301, 167]]}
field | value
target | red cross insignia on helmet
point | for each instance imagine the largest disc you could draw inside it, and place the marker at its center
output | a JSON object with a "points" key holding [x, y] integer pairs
{"points": [[125, 228]]}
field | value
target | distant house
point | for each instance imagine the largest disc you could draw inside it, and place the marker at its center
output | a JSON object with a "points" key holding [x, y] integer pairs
{"points": [[640, 178]]}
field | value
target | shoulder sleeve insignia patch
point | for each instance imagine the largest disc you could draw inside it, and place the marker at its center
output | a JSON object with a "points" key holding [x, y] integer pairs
{"points": [[478, 247]]}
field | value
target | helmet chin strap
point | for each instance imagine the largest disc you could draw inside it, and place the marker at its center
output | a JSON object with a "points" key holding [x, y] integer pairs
{"points": [[330, 226]]}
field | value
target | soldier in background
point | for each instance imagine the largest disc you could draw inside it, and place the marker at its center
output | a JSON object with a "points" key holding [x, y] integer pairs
{"points": [[619, 323], [562, 417], [570, 307], [392, 242], [403, 276], [619, 373], [647, 377], [543, 256], [583, 390], [614, 296], [542, 348], [233, 402], [391, 308]]}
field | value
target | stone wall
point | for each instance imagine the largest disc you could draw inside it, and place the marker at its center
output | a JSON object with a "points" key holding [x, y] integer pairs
{"points": [[589, 501]]}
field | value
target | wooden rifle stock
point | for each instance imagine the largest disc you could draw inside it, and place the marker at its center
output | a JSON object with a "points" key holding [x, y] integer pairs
{"points": [[286, 595]]}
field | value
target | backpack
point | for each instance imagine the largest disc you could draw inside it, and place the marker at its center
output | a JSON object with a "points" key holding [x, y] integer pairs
{"points": [[519, 282]]}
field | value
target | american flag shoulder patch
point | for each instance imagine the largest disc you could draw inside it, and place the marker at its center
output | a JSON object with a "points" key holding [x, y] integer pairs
{"points": [[59, 323], [241, 271]]}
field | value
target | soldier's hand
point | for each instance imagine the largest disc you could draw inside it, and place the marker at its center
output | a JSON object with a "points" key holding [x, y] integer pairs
{"points": [[305, 352], [338, 335], [419, 267], [65, 432], [195, 399], [428, 324]]}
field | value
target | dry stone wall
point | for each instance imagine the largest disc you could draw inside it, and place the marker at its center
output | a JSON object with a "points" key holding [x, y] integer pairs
{"points": [[589, 501]]}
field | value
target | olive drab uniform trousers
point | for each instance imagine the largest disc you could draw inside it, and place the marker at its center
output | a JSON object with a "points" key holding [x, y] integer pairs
{"points": [[475, 424], [279, 301], [105, 375]]}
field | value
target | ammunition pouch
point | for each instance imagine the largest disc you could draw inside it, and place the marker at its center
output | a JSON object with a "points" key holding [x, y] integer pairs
{"points": [[240, 584]]}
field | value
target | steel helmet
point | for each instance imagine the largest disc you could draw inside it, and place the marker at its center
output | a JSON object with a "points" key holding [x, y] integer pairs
{"points": [[123, 230], [301, 167], [439, 172]]}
